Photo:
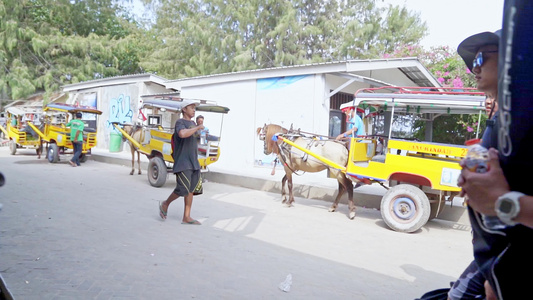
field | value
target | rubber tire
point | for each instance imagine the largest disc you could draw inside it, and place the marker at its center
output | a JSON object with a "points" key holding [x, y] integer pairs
{"points": [[12, 147], [415, 202], [157, 172], [53, 153], [83, 157]]}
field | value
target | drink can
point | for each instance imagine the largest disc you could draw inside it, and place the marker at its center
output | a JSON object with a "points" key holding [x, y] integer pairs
{"points": [[477, 159]]}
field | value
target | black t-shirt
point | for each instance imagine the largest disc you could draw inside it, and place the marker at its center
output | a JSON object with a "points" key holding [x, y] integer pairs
{"points": [[185, 149]]}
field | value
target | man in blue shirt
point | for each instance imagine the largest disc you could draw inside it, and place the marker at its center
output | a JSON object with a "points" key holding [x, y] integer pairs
{"points": [[355, 126]]}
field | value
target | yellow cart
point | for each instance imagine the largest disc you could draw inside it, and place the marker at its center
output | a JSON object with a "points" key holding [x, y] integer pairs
{"points": [[156, 139], [56, 135], [17, 130], [420, 176]]}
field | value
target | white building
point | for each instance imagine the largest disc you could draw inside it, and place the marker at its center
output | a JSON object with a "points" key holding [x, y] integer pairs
{"points": [[117, 97], [306, 96]]}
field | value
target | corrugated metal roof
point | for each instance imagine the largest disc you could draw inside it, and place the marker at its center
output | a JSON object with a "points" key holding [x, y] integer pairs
{"points": [[115, 80], [409, 66]]}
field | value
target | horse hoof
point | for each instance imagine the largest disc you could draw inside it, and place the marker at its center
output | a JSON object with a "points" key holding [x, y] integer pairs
{"points": [[352, 215], [131, 173], [332, 209], [139, 173]]}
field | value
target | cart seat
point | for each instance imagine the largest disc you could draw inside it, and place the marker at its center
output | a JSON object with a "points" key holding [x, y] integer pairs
{"points": [[379, 158]]}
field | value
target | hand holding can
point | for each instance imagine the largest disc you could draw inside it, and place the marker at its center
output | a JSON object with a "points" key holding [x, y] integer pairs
{"points": [[477, 159]]}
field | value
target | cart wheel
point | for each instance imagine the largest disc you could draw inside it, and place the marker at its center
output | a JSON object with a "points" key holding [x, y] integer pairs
{"points": [[157, 172], [83, 157], [53, 153], [12, 147], [405, 208]]}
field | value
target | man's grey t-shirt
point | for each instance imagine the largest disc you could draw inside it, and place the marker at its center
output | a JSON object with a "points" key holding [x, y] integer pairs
{"points": [[185, 149]]}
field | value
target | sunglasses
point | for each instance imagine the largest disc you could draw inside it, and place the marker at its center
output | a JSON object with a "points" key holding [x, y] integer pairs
{"points": [[478, 60]]}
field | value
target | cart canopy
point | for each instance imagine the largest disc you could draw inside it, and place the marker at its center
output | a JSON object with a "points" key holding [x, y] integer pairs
{"points": [[177, 104], [462, 101], [21, 111], [71, 108]]}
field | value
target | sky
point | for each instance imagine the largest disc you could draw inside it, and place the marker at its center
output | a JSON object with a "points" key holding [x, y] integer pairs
{"points": [[451, 21]]}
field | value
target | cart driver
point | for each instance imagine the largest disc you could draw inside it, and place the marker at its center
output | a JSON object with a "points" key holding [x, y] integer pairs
{"points": [[355, 126]]}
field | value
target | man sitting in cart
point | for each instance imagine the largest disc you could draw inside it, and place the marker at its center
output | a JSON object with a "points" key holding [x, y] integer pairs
{"points": [[355, 125], [204, 133], [14, 122]]}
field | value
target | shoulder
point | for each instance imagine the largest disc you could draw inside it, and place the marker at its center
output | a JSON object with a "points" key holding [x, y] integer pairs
{"points": [[182, 121]]}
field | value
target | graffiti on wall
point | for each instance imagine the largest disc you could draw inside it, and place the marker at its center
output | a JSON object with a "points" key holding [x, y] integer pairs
{"points": [[120, 111]]}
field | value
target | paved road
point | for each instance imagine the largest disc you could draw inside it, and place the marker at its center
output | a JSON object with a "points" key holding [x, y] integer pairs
{"points": [[94, 232]]}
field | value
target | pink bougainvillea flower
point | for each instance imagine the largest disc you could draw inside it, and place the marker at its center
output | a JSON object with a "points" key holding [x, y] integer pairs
{"points": [[441, 80], [457, 82], [469, 129]]}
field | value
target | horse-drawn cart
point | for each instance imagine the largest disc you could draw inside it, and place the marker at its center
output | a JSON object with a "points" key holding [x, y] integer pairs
{"points": [[154, 140], [18, 132], [56, 135], [420, 176]]}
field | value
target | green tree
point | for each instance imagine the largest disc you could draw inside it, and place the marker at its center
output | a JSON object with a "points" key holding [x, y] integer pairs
{"points": [[205, 37], [370, 32], [450, 70], [47, 43]]}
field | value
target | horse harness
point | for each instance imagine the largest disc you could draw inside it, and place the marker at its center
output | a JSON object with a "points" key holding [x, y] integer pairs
{"points": [[134, 129], [285, 149]]}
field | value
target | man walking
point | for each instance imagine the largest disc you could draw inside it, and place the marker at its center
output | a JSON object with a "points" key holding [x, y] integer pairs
{"points": [[76, 136], [186, 166]]}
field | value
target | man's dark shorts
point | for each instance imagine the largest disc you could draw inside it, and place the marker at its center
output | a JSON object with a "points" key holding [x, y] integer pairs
{"points": [[186, 182]]}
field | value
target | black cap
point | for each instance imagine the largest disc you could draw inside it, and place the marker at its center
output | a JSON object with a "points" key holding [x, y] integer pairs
{"points": [[468, 48], [78, 115]]}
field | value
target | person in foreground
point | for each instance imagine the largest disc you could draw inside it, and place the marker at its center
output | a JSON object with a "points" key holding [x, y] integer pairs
{"points": [[500, 209], [186, 166]]}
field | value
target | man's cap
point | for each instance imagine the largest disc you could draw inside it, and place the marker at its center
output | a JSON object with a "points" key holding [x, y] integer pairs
{"points": [[78, 115], [186, 103], [468, 48]]}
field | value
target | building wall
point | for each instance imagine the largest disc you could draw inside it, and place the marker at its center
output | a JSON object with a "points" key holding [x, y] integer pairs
{"points": [[297, 100], [237, 131], [118, 103]]}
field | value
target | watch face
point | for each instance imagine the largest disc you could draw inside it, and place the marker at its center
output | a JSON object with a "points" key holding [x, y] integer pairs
{"points": [[506, 206]]}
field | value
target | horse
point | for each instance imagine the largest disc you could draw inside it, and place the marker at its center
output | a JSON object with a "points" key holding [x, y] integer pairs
{"points": [[137, 133], [296, 160]]}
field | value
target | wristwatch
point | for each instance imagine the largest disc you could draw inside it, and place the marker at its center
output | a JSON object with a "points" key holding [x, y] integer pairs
{"points": [[508, 207]]}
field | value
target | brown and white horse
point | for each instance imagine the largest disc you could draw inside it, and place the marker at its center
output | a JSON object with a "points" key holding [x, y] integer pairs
{"points": [[296, 160], [136, 132]]}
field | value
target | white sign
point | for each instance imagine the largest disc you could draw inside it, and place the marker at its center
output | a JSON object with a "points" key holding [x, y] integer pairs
{"points": [[449, 177]]}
